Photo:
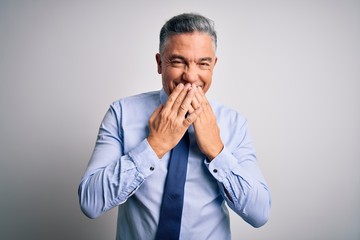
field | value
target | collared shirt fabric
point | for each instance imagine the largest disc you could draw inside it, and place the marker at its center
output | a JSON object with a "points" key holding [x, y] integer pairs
{"points": [[125, 172]]}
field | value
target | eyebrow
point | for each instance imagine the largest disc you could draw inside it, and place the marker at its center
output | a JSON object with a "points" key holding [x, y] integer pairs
{"points": [[204, 59], [177, 56]]}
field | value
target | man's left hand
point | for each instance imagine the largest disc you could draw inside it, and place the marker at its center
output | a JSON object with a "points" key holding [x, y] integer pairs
{"points": [[207, 132]]}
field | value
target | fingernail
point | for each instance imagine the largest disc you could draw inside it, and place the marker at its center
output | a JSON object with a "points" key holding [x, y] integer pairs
{"points": [[180, 85]]}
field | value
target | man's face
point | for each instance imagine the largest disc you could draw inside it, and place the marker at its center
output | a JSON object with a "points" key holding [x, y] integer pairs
{"points": [[187, 58]]}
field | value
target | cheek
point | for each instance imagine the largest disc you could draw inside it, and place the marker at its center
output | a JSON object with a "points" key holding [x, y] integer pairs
{"points": [[206, 88], [168, 80], [207, 82], [169, 76], [173, 73], [207, 78]]}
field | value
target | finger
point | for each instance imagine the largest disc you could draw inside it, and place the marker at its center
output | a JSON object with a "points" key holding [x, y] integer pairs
{"points": [[180, 98], [186, 103], [191, 109], [192, 117], [174, 95], [204, 102], [196, 103], [200, 95]]}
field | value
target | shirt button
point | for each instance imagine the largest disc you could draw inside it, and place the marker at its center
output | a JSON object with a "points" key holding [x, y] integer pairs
{"points": [[215, 170], [152, 168]]}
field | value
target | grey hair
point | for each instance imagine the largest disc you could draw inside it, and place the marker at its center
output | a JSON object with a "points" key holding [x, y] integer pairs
{"points": [[187, 23]]}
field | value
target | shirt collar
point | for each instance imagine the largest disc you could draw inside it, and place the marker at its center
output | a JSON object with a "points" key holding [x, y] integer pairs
{"points": [[163, 97]]}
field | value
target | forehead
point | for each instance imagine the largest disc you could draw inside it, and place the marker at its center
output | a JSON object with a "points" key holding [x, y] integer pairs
{"points": [[195, 42]]}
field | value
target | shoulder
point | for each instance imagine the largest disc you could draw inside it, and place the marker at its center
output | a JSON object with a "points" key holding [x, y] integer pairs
{"points": [[233, 126], [226, 114], [147, 96], [138, 100]]}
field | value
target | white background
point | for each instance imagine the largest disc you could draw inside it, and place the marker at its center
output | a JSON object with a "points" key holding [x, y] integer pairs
{"points": [[292, 67]]}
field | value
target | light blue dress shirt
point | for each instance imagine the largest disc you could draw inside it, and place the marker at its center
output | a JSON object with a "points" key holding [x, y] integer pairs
{"points": [[124, 171]]}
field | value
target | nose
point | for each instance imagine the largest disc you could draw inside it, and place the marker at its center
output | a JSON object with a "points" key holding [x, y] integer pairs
{"points": [[190, 74]]}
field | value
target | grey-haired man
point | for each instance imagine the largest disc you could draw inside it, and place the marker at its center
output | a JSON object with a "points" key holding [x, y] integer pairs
{"points": [[129, 165]]}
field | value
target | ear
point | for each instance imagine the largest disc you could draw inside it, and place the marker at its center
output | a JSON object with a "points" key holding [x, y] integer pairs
{"points": [[158, 61], [215, 61]]}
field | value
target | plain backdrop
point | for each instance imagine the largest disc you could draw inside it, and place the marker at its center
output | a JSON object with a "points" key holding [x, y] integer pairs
{"points": [[292, 67]]}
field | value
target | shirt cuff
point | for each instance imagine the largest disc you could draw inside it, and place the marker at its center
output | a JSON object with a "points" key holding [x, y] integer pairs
{"points": [[144, 158], [222, 165]]}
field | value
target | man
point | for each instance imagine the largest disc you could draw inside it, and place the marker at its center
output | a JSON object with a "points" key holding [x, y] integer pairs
{"points": [[139, 134]]}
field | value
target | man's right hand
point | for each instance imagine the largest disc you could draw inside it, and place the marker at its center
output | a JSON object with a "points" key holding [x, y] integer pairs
{"points": [[168, 123]]}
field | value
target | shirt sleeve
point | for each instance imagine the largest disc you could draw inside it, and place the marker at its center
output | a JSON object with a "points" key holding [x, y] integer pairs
{"points": [[112, 176], [240, 180]]}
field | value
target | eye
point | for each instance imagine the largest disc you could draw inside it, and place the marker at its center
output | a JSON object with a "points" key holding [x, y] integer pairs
{"points": [[204, 65], [177, 63]]}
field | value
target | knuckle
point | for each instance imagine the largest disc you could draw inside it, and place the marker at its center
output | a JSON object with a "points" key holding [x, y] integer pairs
{"points": [[163, 115], [178, 101], [188, 121], [151, 120], [183, 107], [171, 99]]}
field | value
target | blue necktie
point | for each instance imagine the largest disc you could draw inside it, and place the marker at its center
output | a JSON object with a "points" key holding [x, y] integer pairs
{"points": [[173, 196]]}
